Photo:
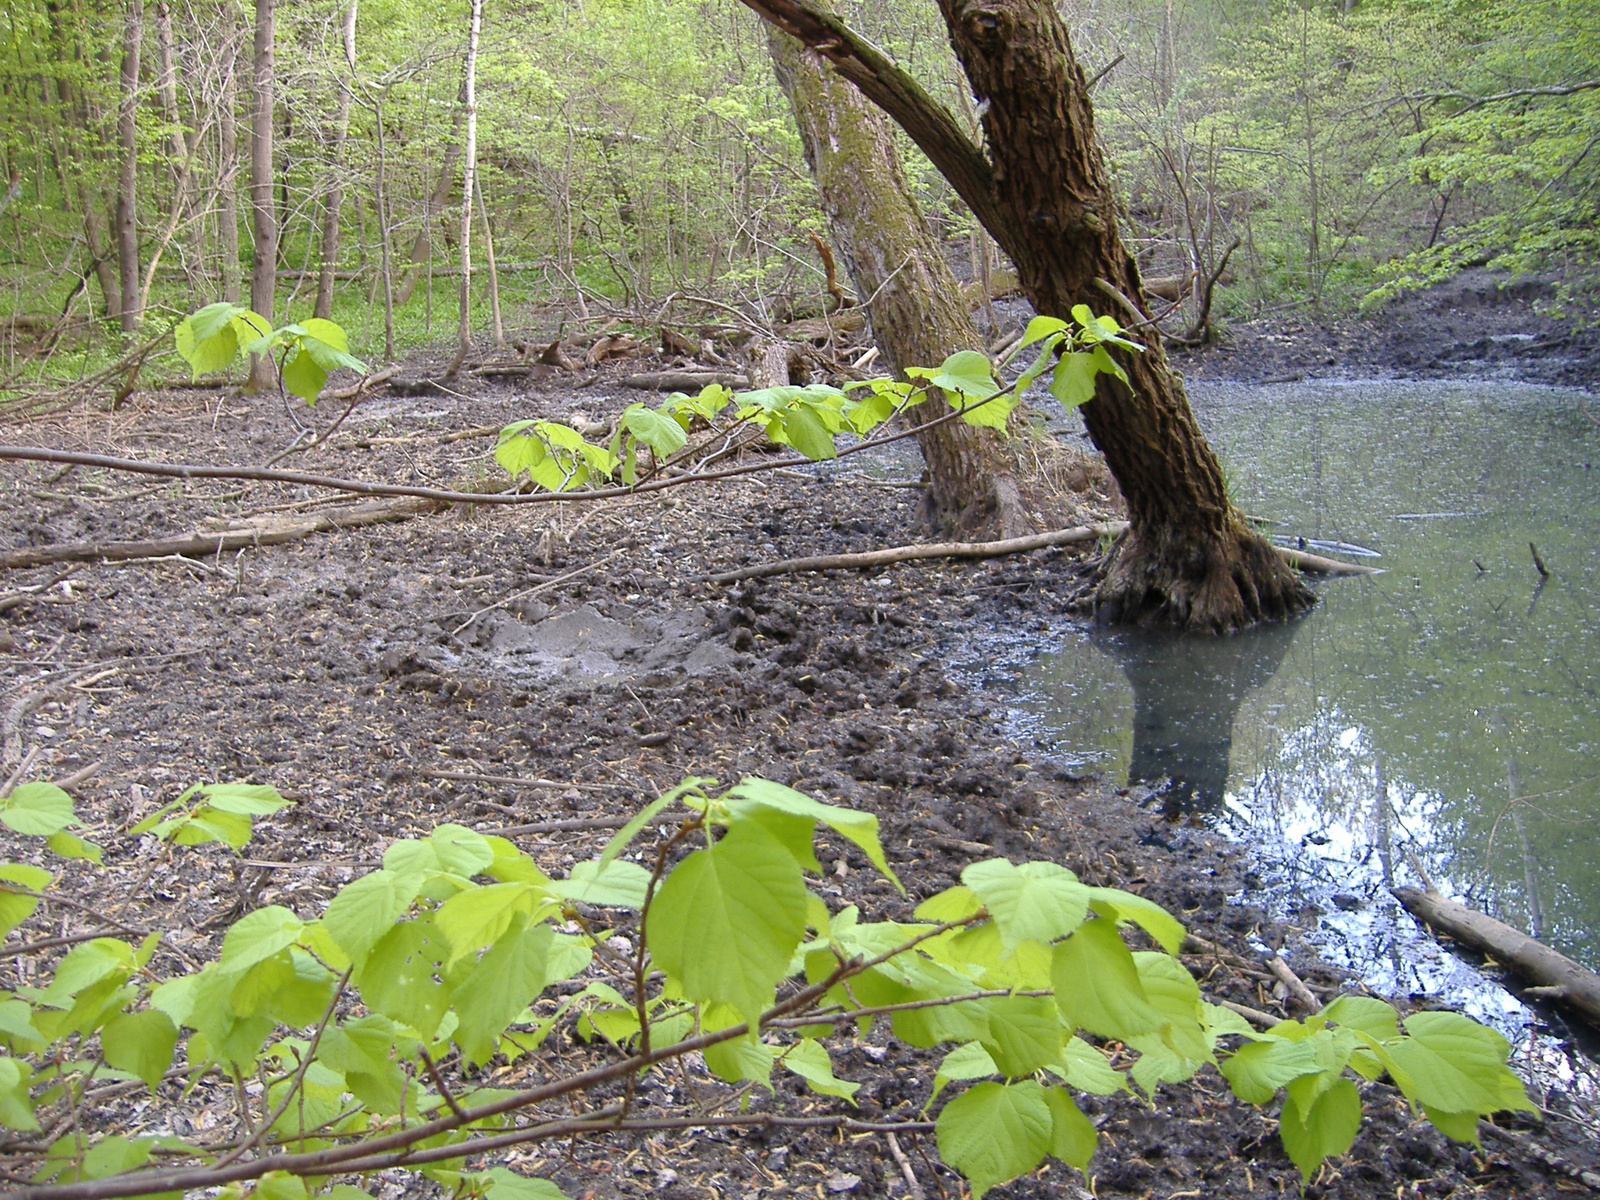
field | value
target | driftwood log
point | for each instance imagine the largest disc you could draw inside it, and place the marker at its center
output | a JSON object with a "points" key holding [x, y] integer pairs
{"points": [[1555, 975]]}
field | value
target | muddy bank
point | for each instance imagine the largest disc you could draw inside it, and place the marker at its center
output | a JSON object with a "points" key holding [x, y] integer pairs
{"points": [[392, 678], [1478, 325]]}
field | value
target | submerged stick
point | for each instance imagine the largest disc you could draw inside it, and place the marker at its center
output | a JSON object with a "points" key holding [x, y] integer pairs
{"points": [[1557, 977]]}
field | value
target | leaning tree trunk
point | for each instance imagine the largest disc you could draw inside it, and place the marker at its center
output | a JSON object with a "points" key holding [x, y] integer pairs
{"points": [[1189, 559], [917, 308]]}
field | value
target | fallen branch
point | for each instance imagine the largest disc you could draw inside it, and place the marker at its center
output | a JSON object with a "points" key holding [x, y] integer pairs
{"points": [[881, 558], [1062, 537], [270, 531], [1557, 977], [666, 381]]}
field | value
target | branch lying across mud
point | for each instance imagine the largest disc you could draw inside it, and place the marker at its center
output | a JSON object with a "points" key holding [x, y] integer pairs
{"points": [[1299, 559], [267, 531]]}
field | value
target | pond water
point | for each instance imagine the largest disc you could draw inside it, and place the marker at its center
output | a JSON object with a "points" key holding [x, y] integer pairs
{"points": [[1441, 719]]}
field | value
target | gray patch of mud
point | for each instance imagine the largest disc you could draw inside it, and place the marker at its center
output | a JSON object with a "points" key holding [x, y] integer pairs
{"points": [[586, 647]]}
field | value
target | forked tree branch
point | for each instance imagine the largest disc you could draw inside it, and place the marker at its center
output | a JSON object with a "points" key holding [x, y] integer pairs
{"points": [[928, 123]]}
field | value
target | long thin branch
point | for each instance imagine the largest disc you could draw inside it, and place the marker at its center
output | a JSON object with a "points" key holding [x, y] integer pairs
{"points": [[359, 487]]}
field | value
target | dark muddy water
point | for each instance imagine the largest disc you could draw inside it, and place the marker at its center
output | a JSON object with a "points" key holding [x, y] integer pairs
{"points": [[1441, 718]]}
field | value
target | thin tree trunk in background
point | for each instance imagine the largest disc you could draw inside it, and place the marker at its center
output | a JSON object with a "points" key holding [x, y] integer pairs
{"points": [[334, 196], [263, 215], [128, 169], [228, 185], [381, 204], [918, 310], [494, 270], [181, 146], [469, 181], [422, 248], [94, 234]]}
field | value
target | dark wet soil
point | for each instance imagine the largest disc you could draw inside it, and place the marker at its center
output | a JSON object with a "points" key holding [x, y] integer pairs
{"points": [[394, 677], [1478, 325]]}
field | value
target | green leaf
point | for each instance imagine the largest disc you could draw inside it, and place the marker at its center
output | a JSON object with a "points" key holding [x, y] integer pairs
{"points": [[479, 916], [967, 372], [994, 1132], [116, 1155], [367, 908], [519, 450], [1457, 1065], [327, 332], [1072, 1135], [206, 340], [397, 976], [624, 836], [809, 1059], [1024, 1034], [1086, 1069], [280, 1185], [249, 799], [503, 983], [16, 1107], [970, 1061], [329, 357], [1174, 994], [727, 920], [86, 965], [1107, 365], [952, 904], [461, 851], [740, 1059], [1258, 1069], [70, 845], [1098, 986], [16, 1022], [803, 428], [504, 1184], [1328, 1128], [619, 884], [1040, 328], [37, 808], [363, 1051], [660, 432], [303, 376], [860, 828], [1373, 1017], [1123, 906], [140, 1043], [1462, 1126], [1038, 901], [213, 318], [16, 907], [1073, 381], [257, 936]]}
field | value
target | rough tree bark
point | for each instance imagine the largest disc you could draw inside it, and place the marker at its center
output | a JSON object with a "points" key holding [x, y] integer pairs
{"points": [[917, 308], [1042, 190], [263, 213]]}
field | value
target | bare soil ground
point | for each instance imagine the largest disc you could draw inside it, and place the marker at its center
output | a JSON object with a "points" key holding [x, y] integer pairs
{"points": [[394, 677]]}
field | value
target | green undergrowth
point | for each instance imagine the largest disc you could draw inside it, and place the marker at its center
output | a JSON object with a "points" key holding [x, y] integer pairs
{"points": [[364, 1037]]}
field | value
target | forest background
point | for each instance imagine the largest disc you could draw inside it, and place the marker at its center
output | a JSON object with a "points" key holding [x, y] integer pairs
{"points": [[632, 153]]}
